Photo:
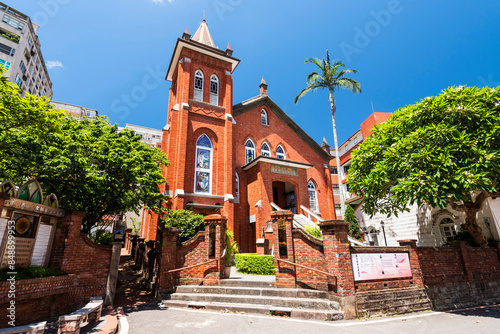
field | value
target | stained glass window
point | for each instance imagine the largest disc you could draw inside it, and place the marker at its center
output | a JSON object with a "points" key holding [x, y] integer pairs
{"points": [[203, 168], [280, 153], [214, 90], [198, 86], [249, 151], [265, 151]]}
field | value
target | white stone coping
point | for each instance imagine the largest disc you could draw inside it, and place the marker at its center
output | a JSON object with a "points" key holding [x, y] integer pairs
{"points": [[94, 304], [28, 329]]}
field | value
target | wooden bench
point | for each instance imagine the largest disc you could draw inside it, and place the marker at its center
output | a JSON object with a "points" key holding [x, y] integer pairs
{"points": [[35, 328], [70, 324]]}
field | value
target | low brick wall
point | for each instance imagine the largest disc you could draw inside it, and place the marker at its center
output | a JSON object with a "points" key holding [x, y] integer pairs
{"points": [[309, 252], [192, 252], [37, 298]]}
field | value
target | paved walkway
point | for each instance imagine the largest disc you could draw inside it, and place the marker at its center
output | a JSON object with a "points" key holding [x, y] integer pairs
{"points": [[173, 321], [131, 288]]}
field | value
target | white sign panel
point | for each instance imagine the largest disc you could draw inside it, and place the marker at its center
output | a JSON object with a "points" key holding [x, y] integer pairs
{"points": [[41, 245], [376, 266]]}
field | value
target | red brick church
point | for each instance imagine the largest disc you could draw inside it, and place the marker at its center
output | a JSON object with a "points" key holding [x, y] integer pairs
{"points": [[242, 161]]}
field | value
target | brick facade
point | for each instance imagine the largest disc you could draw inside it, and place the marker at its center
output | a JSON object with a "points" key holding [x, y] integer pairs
{"points": [[229, 127]]}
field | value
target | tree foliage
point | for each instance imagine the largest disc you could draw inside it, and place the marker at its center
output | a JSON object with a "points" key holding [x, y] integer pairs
{"points": [[443, 150], [350, 217], [89, 165], [188, 223]]}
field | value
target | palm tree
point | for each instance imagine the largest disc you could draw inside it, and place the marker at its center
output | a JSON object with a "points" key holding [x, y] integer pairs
{"points": [[331, 77]]}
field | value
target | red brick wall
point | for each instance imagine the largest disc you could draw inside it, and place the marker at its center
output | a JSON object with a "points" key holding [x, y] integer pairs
{"points": [[193, 251], [309, 252], [37, 298], [74, 253], [459, 264]]}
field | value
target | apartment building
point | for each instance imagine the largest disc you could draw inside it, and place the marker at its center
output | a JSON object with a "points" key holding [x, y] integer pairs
{"points": [[151, 137], [20, 54], [75, 111]]}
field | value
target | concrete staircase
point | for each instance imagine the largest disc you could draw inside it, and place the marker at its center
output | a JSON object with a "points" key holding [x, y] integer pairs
{"points": [[256, 297]]}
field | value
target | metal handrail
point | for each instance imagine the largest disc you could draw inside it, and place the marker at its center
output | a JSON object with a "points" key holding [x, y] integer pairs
{"points": [[193, 266], [308, 268]]}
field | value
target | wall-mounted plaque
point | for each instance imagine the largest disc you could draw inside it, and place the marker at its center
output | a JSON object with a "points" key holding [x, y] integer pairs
{"points": [[375, 266], [284, 170]]}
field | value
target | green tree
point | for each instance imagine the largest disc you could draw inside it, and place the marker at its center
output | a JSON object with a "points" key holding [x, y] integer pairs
{"points": [[331, 76], [188, 223], [89, 165], [350, 218], [443, 150]]}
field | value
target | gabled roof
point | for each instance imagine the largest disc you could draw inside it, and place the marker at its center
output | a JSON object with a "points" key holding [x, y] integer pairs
{"points": [[202, 35], [259, 100]]}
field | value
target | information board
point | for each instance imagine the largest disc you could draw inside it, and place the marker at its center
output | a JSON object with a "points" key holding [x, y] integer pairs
{"points": [[376, 266]]}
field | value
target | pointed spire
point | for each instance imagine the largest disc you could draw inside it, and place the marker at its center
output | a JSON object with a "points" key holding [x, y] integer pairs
{"points": [[203, 36], [263, 87], [186, 34], [228, 50]]}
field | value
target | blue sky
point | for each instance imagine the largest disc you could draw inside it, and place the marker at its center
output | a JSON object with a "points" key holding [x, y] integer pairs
{"points": [[112, 55]]}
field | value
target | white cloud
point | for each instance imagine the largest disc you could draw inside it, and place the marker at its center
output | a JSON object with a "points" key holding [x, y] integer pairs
{"points": [[53, 63], [162, 2]]}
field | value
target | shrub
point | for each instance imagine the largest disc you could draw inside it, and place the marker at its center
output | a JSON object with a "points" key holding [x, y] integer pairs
{"points": [[314, 230], [188, 223], [255, 264], [31, 272], [350, 217], [101, 237], [231, 245]]}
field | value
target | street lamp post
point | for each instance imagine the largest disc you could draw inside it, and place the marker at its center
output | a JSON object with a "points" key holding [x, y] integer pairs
{"points": [[383, 231]]}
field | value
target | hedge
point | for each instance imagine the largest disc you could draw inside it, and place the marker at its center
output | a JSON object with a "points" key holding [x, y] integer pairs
{"points": [[249, 263]]}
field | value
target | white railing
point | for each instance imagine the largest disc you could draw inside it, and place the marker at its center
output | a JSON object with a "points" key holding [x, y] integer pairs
{"points": [[319, 219], [310, 213]]}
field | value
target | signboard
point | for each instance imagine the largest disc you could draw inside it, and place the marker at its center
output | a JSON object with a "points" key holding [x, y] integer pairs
{"points": [[22, 255], [376, 266], [284, 170]]}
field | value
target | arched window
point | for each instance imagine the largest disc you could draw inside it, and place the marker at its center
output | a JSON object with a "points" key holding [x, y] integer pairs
{"points": [[214, 90], [203, 170], [249, 151], [372, 236], [263, 117], [448, 229], [280, 153], [264, 150], [198, 86], [237, 187], [313, 199]]}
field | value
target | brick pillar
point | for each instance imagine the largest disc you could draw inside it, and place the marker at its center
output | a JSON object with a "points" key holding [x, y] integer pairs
{"points": [[285, 273], [464, 254], [128, 232], [67, 233], [416, 270], [167, 260], [220, 244], [338, 255], [133, 245]]}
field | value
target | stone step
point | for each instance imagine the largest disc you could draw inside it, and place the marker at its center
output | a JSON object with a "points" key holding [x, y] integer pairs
{"points": [[251, 291], [305, 303], [306, 314], [247, 283]]}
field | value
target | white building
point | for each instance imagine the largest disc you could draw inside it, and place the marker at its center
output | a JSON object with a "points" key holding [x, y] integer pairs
{"points": [[20, 53], [77, 112], [151, 137]]}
